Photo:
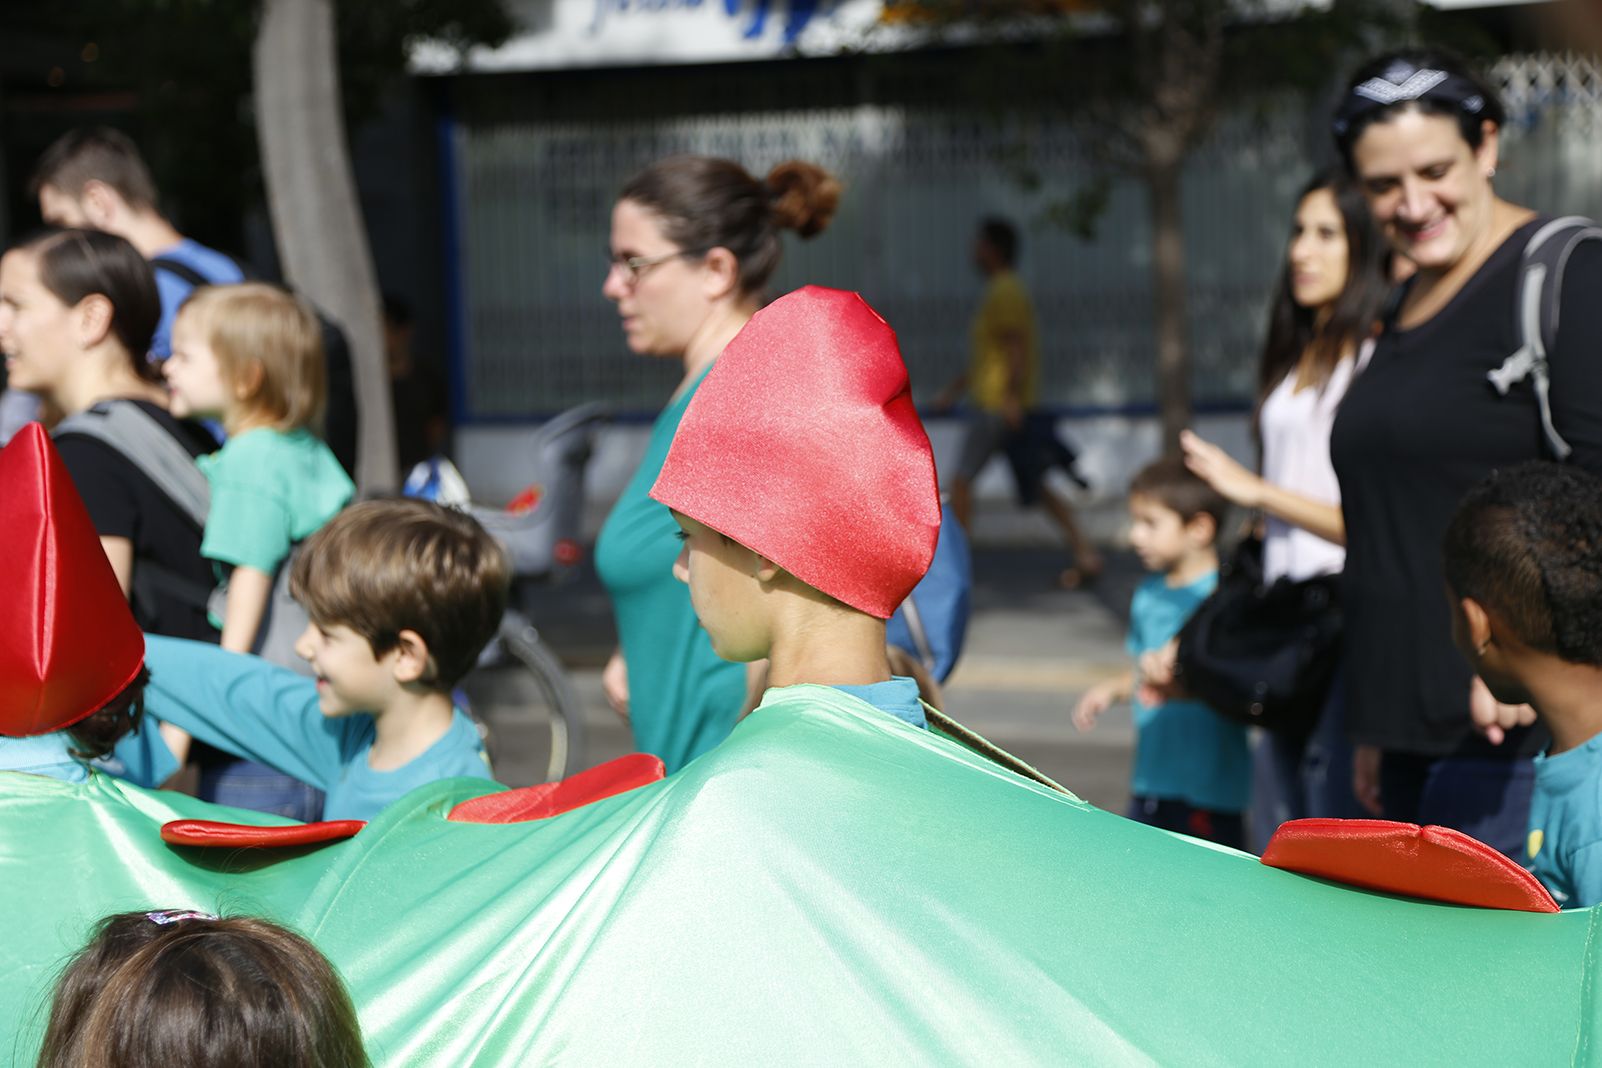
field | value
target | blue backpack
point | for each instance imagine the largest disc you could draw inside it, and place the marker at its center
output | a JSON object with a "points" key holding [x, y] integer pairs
{"points": [[932, 622]]}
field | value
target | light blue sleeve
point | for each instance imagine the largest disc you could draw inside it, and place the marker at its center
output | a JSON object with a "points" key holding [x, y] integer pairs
{"points": [[245, 706], [141, 757], [172, 291], [1585, 876]]}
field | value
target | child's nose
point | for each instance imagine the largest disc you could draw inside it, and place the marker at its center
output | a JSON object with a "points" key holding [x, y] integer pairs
{"points": [[305, 645]]}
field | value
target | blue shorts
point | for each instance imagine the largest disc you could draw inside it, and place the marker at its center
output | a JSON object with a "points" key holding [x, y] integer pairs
{"points": [[1225, 828]]}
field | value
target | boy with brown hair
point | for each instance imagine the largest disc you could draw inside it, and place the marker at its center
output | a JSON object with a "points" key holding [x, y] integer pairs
{"points": [[1191, 771], [403, 595]]}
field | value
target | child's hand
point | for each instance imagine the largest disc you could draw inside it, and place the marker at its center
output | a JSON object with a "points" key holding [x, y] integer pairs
{"points": [[1097, 700], [1158, 670], [615, 684]]}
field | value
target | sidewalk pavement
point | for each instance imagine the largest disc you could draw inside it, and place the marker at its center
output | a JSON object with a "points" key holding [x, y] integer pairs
{"points": [[1032, 650]]}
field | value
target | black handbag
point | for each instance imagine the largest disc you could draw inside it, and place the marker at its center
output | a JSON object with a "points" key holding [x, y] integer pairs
{"points": [[1263, 654]]}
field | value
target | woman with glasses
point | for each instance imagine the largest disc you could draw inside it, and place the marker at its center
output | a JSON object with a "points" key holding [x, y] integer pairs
{"points": [[694, 242], [1426, 420], [77, 312]]}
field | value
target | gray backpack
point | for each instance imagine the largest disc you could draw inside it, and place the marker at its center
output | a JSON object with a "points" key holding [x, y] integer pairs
{"points": [[135, 435], [1540, 294]]}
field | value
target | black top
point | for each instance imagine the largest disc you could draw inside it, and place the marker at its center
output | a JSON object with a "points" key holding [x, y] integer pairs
{"points": [[124, 503], [1418, 428]]}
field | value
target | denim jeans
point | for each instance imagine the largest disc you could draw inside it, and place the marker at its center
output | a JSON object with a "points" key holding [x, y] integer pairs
{"points": [[245, 784]]}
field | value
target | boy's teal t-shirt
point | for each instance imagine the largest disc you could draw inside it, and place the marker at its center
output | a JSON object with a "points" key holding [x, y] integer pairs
{"points": [[253, 709], [898, 697], [683, 698], [1184, 751], [269, 490], [1564, 845], [43, 754]]}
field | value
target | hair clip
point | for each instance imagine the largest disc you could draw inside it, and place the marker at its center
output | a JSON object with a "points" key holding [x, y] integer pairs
{"points": [[163, 917]]}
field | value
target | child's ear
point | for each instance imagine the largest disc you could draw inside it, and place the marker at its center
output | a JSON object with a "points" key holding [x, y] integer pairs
{"points": [[248, 381], [1203, 528], [1477, 622], [412, 660], [766, 570]]}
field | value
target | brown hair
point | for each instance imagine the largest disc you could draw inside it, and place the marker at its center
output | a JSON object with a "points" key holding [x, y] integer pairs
{"points": [[95, 153], [384, 566], [98, 733], [268, 340], [179, 988], [704, 203], [74, 264], [1176, 487]]}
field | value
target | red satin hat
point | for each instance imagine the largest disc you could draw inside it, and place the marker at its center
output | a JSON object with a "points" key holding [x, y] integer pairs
{"points": [[68, 643], [802, 444]]}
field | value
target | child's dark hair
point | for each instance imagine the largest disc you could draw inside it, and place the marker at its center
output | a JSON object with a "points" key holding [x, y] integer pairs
{"points": [[98, 733], [384, 566], [183, 988], [1169, 482], [1001, 235], [1526, 543]]}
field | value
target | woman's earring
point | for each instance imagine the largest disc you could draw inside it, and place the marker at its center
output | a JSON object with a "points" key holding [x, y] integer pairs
{"points": [[1480, 649], [1490, 172]]}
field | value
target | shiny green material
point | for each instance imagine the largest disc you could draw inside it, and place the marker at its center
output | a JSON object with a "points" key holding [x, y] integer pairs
{"points": [[830, 886]]}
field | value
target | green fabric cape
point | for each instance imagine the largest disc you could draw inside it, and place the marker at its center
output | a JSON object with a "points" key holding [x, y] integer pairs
{"points": [[829, 886]]}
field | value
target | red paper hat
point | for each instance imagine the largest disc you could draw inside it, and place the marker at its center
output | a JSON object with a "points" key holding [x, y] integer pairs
{"points": [[68, 643], [803, 445]]}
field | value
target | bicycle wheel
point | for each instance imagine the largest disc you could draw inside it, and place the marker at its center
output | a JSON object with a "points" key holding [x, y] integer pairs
{"points": [[534, 720]]}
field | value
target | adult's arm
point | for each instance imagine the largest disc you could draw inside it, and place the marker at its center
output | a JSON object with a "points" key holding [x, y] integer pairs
{"points": [[245, 706], [120, 554], [1250, 490]]}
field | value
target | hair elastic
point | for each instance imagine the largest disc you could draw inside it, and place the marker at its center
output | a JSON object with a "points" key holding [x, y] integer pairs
{"points": [[163, 917]]}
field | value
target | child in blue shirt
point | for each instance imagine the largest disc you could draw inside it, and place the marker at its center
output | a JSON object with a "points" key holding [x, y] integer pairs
{"points": [[1523, 561], [1191, 769], [804, 488], [403, 595]]}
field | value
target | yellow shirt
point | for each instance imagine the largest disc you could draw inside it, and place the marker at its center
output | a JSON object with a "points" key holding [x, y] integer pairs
{"points": [[1004, 313]]}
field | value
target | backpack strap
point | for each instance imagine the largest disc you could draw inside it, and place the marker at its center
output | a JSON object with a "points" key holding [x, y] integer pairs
{"points": [[179, 269], [1540, 291], [138, 438]]}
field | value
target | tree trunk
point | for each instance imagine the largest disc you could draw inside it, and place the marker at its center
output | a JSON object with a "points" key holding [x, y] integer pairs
{"points": [[1168, 266], [311, 195]]}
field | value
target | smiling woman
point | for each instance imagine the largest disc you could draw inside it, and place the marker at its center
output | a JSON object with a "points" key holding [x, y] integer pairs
{"points": [[1419, 132]]}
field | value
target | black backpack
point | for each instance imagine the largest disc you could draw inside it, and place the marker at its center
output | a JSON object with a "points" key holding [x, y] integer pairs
{"points": [[339, 421]]}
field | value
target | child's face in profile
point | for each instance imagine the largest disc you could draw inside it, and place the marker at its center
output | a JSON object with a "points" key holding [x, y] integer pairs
{"points": [[1159, 535], [724, 589], [350, 678], [1503, 687], [194, 377]]}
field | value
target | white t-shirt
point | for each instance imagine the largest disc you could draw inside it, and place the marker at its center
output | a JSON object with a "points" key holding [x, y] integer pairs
{"points": [[1295, 425]]}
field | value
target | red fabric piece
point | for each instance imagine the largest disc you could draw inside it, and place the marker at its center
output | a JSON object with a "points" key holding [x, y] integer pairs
{"points": [[554, 798], [214, 835], [803, 445], [1437, 863], [68, 642]]}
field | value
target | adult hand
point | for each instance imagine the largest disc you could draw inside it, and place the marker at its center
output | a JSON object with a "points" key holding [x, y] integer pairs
{"points": [[1491, 717], [1366, 778], [1219, 470], [615, 684], [1158, 674]]}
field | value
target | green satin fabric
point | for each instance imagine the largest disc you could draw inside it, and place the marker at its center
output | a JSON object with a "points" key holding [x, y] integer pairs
{"points": [[829, 886]]}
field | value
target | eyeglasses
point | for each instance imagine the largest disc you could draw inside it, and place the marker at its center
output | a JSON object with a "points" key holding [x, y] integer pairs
{"points": [[634, 266]]}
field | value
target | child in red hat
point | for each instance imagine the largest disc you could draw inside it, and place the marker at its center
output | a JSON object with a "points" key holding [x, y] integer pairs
{"points": [[805, 487], [72, 671]]}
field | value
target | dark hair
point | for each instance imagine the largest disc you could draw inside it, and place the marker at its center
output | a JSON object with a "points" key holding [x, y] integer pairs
{"points": [[705, 203], [1172, 484], [380, 567], [1001, 235], [1454, 90], [182, 988], [74, 264], [95, 153], [1526, 543], [1293, 331], [98, 733]]}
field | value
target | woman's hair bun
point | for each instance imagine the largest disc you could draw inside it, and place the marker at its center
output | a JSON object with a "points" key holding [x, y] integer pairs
{"points": [[803, 197]]}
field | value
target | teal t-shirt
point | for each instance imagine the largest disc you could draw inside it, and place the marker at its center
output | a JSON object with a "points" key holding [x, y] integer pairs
{"points": [[1564, 846], [683, 697], [253, 709], [43, 754], [1184, 751], [269, 490], [897, 697]]}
